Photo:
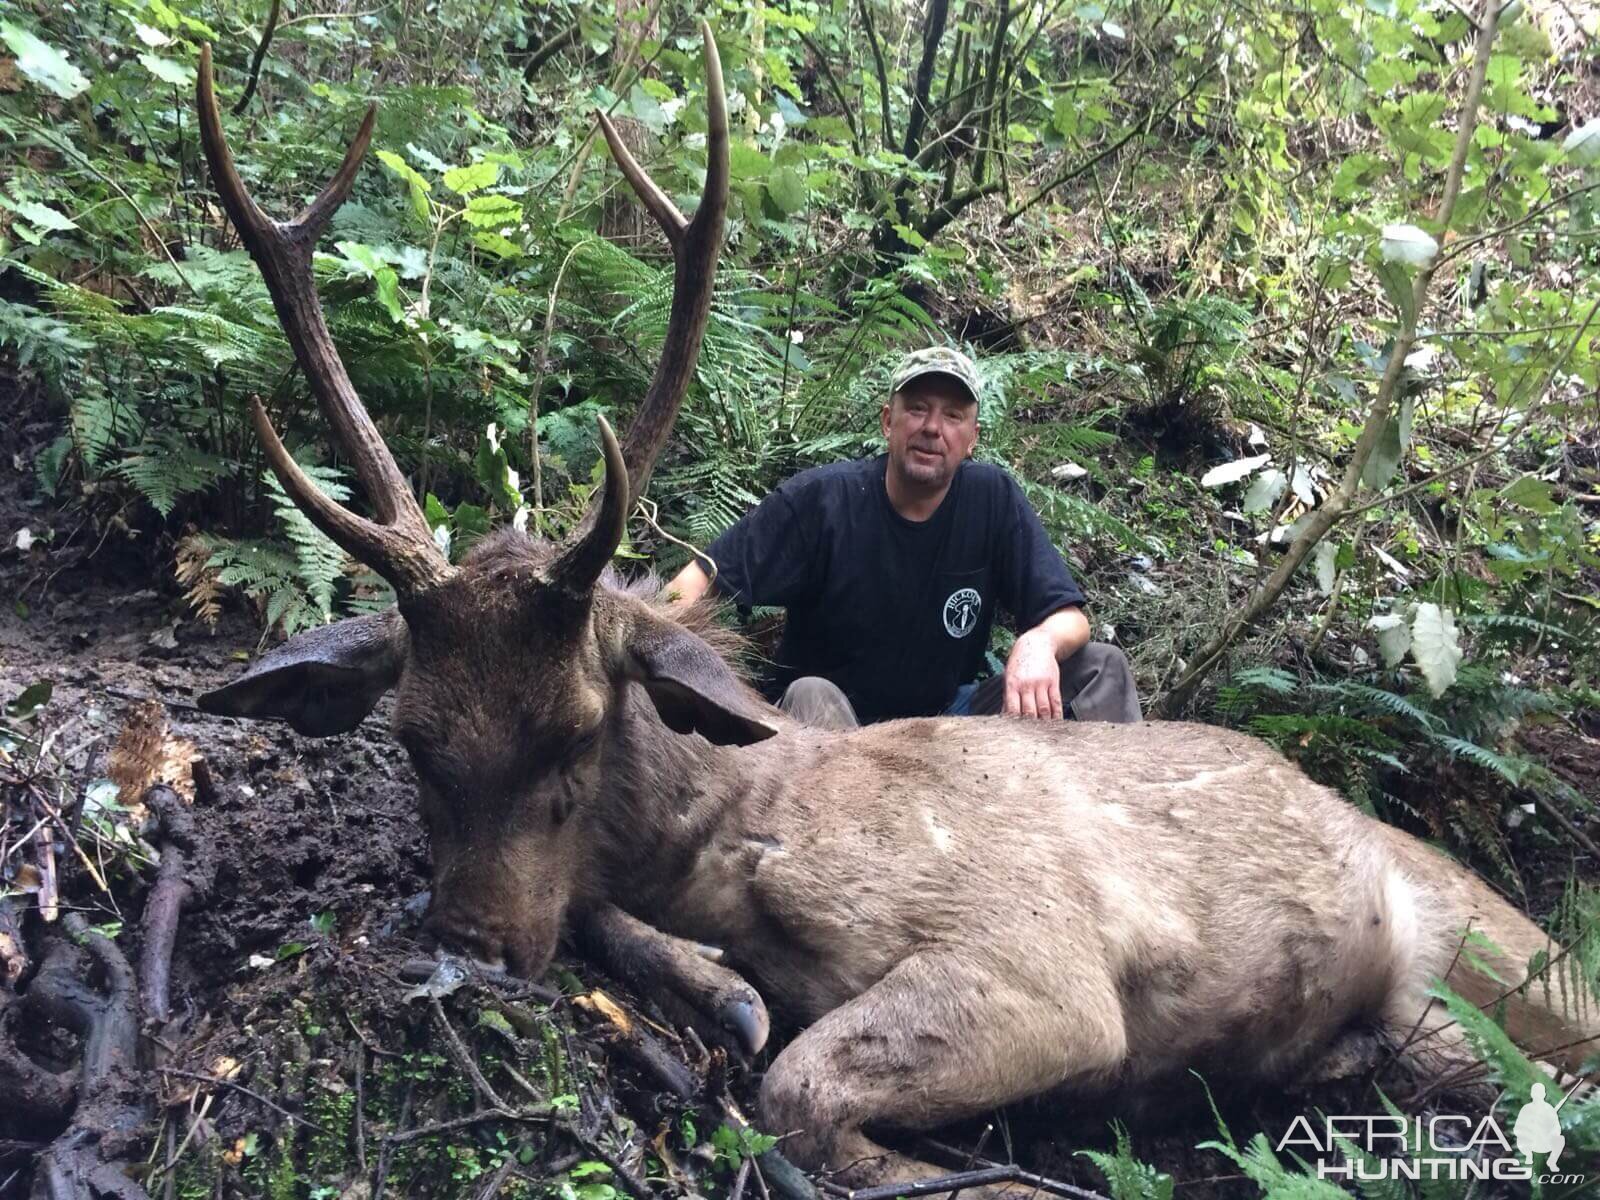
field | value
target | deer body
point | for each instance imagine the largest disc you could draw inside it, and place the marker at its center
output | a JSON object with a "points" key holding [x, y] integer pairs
{"points": [[962, 912], [1230, 909]]}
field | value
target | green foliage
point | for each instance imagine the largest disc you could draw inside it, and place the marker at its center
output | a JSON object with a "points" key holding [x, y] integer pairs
{"points": [[1127, 1177]]}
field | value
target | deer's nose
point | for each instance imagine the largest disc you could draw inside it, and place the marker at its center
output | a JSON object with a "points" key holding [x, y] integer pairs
{"points": [[492, 946], [468, 939]]}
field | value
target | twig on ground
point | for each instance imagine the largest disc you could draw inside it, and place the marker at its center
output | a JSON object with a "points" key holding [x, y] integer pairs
{"points": [[361, 1110], [463, 1057], [477, 1118], [981, 1177], [383, 1151], [216, 1081]]}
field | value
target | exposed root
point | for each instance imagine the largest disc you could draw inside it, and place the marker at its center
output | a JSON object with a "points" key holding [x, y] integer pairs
{"points": [[86, 985]]}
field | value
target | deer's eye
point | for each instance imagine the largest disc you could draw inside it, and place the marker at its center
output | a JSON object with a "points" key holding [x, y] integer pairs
{"points": [[580, 747]]}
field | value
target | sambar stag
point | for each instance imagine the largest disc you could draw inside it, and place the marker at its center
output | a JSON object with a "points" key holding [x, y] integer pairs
{"points": [[960, 912]]}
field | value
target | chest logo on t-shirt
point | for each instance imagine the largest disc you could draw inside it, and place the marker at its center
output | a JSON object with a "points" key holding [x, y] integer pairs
{"points": [[961, 612]]}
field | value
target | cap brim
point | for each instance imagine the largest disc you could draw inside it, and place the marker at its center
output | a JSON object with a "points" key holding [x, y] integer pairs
{"points": [[900, 384]]}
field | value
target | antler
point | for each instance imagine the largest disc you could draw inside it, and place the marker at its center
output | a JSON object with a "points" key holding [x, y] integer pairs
{"points": [[695, 245], [399, 546]]}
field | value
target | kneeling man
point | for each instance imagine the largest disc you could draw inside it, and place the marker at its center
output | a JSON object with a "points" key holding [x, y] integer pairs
{"points": [[890, 570]]}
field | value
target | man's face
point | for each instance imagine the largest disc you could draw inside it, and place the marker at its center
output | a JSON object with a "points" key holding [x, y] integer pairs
{"points": [[931, 427]]}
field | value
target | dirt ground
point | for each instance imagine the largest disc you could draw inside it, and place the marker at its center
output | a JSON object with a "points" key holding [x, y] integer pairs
{"points": [[296, 1064]]}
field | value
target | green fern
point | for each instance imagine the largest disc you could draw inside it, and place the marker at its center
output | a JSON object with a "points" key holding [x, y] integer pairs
{"points": [[167, 468], [1126, 1176], [319, 564]]}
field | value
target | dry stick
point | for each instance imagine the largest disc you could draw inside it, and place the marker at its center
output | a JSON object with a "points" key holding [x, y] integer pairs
{"points": [[463, 1057], [736, 1192], [1320, 520], [216, 1081], [580, 157], [454, 1123], [99, 880], [383, 1151], [361, 1109], [1565, 822], [260, 55], [982, 1177], [184, 872]]}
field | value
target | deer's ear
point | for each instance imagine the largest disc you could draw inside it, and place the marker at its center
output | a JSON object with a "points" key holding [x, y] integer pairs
{"points": [[693, 690], [323, 681]]}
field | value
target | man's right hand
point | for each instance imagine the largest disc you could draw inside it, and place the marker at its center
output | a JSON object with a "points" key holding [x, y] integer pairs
{"points": [[688, 585]]}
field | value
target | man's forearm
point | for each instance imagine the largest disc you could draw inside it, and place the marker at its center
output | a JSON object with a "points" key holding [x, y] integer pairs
{"points": [[1067, 630], [688, 585]]}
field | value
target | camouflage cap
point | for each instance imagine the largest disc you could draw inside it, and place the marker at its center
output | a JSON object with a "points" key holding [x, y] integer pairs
{"points": [[937, 360]]}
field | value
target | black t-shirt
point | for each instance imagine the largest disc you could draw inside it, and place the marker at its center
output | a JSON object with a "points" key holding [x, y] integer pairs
{"points": [[896, 612]]}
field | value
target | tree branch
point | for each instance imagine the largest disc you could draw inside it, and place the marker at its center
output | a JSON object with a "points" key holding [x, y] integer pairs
{"points": [[1322, 519], [260, 56], [938, 14], [883, 74]]}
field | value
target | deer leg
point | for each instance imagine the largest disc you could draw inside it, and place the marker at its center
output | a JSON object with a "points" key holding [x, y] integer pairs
{"points": [[690, 987], [943, 1036]]}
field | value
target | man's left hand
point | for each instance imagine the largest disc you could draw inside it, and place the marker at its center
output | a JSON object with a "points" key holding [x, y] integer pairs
{"points": [[1033, 678]]}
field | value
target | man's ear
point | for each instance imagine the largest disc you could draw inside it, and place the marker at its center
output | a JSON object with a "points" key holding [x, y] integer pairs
{"points": [[323, 681], [693, 690]]}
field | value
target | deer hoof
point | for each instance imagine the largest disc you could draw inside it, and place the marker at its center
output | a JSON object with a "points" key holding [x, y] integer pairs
{"points": [[745, 1018]]}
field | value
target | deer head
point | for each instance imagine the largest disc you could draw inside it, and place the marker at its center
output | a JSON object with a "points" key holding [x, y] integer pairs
{"points": [[512, 671]]}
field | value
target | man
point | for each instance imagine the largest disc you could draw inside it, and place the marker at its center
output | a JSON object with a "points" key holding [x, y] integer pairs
{"points": [[891, 569]]}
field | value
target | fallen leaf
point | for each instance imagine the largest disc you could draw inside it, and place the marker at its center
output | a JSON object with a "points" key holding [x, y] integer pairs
{"points": [[146, 754], [599, 1003]]}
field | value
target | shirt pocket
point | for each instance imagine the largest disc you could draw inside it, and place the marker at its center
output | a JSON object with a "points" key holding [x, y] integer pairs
{"points": [[962, 603]]}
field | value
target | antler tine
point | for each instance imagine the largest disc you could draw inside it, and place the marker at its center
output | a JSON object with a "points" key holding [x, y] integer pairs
{"points": [[695, 245], [665, 212], [400, 546]]}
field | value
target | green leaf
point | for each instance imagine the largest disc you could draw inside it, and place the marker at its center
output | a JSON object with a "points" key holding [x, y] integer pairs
{"points": [[364, 257], [1435, 646], [487, 211], [1396, 281], [647, 110], [168, 70], [787, 189], [465, 180], [389, 294], [1530, 492], [42, 62], [498, 245], [1391, 446], [42, 215], [417, 186], [34, 697]]}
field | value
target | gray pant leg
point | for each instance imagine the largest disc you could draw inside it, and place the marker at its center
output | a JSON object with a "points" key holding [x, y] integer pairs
{"points": [[1100, 683], [1096, 684], [820, 703]]}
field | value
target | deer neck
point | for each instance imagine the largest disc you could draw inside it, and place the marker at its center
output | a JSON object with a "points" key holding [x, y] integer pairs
{"points": [[664, 799]]}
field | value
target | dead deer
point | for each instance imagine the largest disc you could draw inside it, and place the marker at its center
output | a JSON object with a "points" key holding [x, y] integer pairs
{"points": [[960, 912]]}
